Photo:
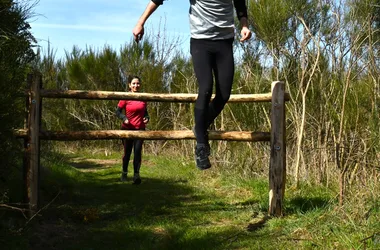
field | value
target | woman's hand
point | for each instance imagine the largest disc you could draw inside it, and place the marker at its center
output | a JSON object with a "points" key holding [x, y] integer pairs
{"points": [[145, 120], [126, 122]]}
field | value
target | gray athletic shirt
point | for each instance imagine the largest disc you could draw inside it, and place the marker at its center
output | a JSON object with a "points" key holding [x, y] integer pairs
{"points": [[213, 19]]}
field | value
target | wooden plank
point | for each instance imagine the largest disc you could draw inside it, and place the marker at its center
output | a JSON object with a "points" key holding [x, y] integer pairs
{"points": [[277, 168], [147, 135], [26, 161], [109, 95], [33, 144]]}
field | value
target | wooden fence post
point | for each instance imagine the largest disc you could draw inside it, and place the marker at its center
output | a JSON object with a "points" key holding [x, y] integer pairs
{"points": [[277, 168], [32, 145]]}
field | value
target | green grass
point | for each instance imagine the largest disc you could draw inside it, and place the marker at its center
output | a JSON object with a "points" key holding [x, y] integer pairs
{"points": [[180, 207]]}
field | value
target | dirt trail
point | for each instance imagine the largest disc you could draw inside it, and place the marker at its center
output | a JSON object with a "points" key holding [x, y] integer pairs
{"points": [[92, 165]]}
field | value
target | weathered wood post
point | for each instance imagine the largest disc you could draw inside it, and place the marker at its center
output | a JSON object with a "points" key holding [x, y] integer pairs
{"points": [[277, 168], [32, 144], [25, 159]]}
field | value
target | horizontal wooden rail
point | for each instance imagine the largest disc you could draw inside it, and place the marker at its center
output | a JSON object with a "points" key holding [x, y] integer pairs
{"points": [[109, 95], [148, 135]]}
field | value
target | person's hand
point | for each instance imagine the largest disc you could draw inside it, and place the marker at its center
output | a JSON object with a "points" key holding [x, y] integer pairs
{"points": [[145, 120], [138, 32], [245, 34], [126, 122]]}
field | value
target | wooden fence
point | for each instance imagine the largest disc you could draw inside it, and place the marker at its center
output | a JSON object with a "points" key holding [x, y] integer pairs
{"points": [[32, 133]]}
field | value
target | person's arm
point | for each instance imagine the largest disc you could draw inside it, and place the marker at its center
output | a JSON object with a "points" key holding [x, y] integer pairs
{"points": [[138, 31], [121, 116], [241, 11], [146, 117]]}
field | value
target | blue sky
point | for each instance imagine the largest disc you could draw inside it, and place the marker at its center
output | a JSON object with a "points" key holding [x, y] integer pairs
{"points": [[94, 23]]}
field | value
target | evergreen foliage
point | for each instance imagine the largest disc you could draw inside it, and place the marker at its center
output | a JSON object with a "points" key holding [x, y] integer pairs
{"points": [[327, 53], [16, 43]]}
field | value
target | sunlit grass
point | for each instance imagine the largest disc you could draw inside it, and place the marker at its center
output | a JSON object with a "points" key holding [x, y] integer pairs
{"points": [[179, 207]]}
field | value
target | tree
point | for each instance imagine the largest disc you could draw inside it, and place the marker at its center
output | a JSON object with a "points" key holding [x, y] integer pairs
{"points": [[16, 43]]}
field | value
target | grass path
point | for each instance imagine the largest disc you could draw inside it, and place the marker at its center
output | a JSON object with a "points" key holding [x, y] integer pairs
{"points": [[175, 207]]}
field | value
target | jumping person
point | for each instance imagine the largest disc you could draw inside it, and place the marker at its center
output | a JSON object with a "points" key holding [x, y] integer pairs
{"points": [[135, 117], [212, 34]]}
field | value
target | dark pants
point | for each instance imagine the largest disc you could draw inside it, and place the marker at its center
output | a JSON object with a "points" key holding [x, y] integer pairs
{"points": [[128, 144], [211, 59]]}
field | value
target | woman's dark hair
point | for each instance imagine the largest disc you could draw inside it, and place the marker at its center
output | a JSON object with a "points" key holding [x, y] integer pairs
{"points": [[130, 78]]}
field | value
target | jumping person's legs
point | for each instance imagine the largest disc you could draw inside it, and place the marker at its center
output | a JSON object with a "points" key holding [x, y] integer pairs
{"points": [[210, 56], [203, 62], [224, 75], [137, 151]]}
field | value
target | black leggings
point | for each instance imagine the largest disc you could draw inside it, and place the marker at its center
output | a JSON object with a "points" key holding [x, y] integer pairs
{"points": [[211, 58], [128, 144]]}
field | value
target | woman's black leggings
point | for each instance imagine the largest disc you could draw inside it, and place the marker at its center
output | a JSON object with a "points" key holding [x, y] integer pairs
{"points": [[137, 152], [211, 58]]}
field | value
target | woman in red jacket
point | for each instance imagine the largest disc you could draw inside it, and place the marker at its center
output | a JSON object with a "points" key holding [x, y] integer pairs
{"points": [[134, 117]]}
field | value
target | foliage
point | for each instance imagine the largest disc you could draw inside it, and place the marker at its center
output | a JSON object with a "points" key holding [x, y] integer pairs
{"points": [[16, 43], [326, 52]]}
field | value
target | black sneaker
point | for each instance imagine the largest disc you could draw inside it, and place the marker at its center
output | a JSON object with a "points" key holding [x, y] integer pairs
{"points": [[201, 156], [123, 177], [136, 179]]}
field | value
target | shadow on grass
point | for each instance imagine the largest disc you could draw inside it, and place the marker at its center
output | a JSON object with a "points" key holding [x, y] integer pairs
{"points": [[295, 205], [305, 204], [94, 210], [86, 165]]}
